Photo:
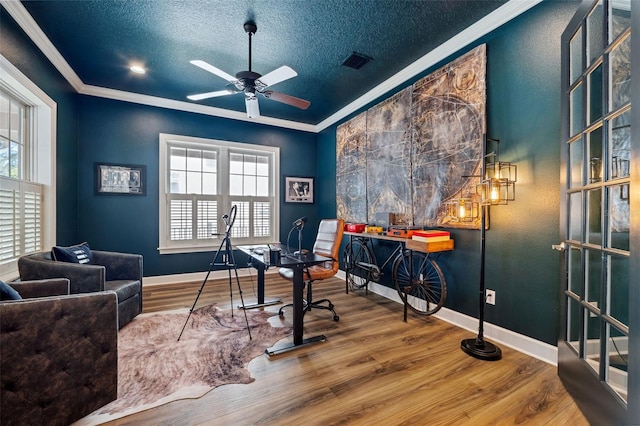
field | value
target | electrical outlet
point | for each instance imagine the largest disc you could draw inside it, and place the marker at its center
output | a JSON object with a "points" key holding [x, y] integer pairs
{"points": [[490, 297]]}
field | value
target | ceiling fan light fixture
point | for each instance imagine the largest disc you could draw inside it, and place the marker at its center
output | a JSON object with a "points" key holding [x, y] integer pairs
{"points": [[251, 83]]}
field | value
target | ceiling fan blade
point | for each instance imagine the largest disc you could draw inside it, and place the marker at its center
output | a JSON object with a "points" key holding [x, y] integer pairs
{"points": [[276, 76], [208, 95], [213, 70], [287, 99], [253, 110]]}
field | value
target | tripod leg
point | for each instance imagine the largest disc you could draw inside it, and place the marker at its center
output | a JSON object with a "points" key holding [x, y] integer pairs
{"points": [[201, 288], [230, 293], [235, 269]]}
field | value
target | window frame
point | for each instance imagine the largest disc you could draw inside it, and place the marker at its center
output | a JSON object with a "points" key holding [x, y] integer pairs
{"points": [[223, 149], [39, 154]]}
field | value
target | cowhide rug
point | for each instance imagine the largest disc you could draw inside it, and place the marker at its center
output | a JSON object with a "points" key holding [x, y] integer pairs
{"points": [[155, 368]]}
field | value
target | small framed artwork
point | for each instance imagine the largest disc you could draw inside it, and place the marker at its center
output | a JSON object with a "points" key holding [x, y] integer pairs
{"points": [[120, 179], [299, 190]]}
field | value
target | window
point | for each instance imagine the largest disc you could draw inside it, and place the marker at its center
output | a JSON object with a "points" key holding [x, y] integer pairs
{"points": [[27, 189], [200, 179], [13, 135]]}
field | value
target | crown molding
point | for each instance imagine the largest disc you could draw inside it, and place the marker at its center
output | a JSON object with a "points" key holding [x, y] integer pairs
{"points": [[39, 38], [155, 101], [500, 16]]}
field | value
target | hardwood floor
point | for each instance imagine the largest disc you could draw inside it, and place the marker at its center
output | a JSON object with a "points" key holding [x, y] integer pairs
{"points": [[373, 369]]}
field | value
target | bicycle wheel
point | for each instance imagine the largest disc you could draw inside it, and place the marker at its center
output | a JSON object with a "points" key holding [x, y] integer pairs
{"points": [[357, 260], [419, 282]]}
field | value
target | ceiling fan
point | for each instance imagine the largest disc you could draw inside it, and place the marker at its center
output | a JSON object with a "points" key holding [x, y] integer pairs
{"points": [[251, 83]]}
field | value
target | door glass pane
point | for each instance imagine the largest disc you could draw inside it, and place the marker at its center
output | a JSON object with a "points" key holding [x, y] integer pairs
{"points": [[595, 155], [575, 272], [619, 288], [577, 111], [593, 343], [595, 94], [620, 140], [618, 353], [595, 39], [619, 216], [575, 219], [575, 159], [575, 53], [620, 17], [594, 277], [594, 216], [573, 324], [620, 74]]}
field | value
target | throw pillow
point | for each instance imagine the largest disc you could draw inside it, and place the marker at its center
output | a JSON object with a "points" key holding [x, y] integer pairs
{"points": [[80, 253], [8, 293]]}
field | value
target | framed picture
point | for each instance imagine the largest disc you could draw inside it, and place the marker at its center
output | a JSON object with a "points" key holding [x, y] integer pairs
{"points": [[120, 179], [299, 190]]}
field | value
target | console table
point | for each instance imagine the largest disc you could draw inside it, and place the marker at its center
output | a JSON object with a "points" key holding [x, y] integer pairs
{"points": [[416, 275]]}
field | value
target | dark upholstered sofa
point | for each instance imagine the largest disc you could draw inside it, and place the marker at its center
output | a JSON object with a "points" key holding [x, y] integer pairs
{"points": [[118, 272], [58, 353]]}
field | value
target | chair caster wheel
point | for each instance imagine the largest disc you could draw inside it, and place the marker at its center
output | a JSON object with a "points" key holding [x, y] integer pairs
{"points": [[336, 318]]}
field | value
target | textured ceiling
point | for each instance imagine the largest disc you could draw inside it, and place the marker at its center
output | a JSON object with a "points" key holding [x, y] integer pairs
{"points": [[99, 39]]}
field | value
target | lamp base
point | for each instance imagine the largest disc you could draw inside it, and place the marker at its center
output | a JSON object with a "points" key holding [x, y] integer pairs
{"points": [[485, 351]]}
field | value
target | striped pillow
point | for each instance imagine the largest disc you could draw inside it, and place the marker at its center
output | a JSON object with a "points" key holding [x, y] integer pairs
{"points": [[80, 253]]}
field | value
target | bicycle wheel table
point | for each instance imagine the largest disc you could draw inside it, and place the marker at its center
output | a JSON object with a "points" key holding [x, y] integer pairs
{"points": [[419, 282], [356, 258], [416, 275]]}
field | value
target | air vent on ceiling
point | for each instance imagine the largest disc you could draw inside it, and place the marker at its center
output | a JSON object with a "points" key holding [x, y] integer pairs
{"points": [[356, 60]]}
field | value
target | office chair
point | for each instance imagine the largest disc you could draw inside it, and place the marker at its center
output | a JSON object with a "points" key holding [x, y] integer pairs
{"points": [[327, 244]]}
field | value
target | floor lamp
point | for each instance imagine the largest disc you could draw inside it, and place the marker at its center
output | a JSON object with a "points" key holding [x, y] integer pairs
{"points": [[497, 187]]}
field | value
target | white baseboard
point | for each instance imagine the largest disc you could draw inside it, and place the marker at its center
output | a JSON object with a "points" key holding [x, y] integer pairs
{"points": [[521, 343]]}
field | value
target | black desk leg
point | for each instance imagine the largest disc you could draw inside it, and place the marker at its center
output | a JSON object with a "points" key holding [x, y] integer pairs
{"points": [[298, 306], [298, 318], [260, 267]]}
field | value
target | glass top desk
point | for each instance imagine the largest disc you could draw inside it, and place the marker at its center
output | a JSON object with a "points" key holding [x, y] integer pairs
{"points": [[297, 263]]}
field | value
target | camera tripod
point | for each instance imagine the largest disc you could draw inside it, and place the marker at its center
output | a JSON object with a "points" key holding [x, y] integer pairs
{"points": [[229, 262]]}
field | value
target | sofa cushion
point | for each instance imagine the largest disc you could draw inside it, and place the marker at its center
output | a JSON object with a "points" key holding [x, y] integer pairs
{"points": [[80, 253], [8, 293]]}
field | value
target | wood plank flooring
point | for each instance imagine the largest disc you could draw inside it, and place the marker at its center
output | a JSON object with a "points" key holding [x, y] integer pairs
{"points": [[374, 369]]}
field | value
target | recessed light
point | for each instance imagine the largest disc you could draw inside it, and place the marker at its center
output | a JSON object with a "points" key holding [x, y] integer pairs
{"points": [[137, 69]]}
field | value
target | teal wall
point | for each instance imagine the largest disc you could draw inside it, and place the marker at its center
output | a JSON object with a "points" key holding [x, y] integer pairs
{"points": [[119, 132], [523, 112], [18, 49]]}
